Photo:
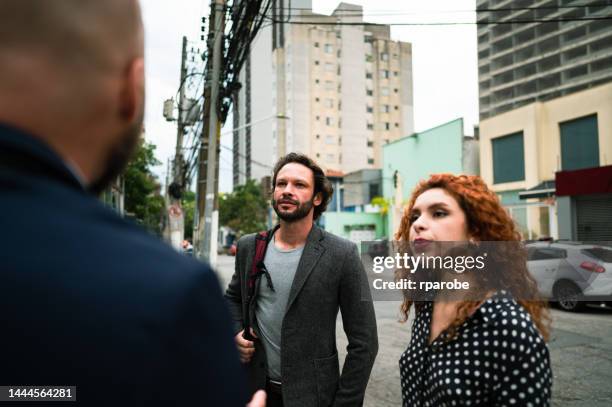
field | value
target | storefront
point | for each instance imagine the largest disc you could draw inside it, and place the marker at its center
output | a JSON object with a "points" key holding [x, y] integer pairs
{"points": [[584, 199]]}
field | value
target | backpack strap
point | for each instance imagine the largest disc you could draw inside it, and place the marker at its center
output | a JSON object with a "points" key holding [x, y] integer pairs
{"points": [[257, 270]]}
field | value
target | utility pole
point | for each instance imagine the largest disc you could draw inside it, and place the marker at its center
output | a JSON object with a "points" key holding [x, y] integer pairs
{"points": [[176, 216], [208, 163]]}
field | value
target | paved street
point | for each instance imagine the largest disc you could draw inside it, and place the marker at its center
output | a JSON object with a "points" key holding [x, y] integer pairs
{"points": [[581, 352]]}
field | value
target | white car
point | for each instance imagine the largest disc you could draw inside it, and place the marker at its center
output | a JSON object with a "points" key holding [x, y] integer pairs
{"points": [[571, 274]]}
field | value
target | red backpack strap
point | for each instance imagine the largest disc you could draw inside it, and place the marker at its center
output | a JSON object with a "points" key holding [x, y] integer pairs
{"points": [[261, 244], [257, 269]]}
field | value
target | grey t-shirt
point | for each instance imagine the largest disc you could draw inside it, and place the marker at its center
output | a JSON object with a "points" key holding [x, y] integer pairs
{"points": [[271, 305]]}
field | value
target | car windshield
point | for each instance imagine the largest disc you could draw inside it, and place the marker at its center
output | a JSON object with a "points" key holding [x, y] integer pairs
{"points": [[599, 253]]}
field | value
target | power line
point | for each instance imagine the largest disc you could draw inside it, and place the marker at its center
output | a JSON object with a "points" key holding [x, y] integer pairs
{"points": [[454, 23], [357, 13]]}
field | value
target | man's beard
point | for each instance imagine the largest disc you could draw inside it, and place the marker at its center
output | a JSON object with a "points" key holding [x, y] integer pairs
{"points": [[118, 158], [301, 211]]}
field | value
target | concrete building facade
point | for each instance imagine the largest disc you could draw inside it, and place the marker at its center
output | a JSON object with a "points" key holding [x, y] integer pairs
{"points": [[523, 151], [335, 92], [553, 48]]}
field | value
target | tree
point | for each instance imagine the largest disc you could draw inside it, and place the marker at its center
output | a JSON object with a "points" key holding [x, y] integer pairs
{"points": [[142, 190], [244, 210]]}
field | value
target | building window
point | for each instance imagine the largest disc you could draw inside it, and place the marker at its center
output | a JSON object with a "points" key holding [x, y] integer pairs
{"points": [[395, 90], [370, 126], [317, 99], [370, 143], [329, 139], [316, 44], [329, 121], [374, 191], [508, 158], [316, 62], [384, 91], [329, 49], [396, 124], [368, 75], [384, 56], [369, 109], [317, 81], [395, 73], [330, 158], [317, 118], [329, 85], [384, 108], [329, 67], [396, 107], [387, 126], [318, 136], [579, 143], [329, 103], [369, 92], [384, 74], [370, 161]]}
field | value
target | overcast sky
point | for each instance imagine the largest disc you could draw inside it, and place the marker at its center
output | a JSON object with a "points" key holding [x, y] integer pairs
{"points": [[444, 62]]}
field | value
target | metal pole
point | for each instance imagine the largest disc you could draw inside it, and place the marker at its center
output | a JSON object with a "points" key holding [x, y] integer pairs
{"points": [[207, 182], [175, 216], [178, 156]]}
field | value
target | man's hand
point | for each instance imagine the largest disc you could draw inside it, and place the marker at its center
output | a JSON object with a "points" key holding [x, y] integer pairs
{"points": [[258, 400], [246, 349]]}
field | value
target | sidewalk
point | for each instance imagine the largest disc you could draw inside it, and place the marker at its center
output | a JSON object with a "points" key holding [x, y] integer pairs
{"points": [[580, 349]]}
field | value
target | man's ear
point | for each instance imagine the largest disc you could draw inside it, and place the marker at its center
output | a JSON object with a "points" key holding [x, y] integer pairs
{"points": [[131, 97], [317, 199]]}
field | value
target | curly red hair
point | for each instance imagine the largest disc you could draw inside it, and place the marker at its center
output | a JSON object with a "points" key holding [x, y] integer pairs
{"points": [[487, 221]]}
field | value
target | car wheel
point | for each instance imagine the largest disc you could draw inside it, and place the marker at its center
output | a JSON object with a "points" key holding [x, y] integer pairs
{"points": [[567, 297]]}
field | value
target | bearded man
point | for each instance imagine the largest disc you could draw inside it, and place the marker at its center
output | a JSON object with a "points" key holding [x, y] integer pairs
{"points": [[285, 320]]}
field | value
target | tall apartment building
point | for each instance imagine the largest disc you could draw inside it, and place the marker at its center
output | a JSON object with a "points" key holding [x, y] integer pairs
{"points": [[519, 63], [335, 92]]}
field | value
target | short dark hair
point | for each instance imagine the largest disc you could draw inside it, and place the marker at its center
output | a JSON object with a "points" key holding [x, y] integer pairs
{"points": [[322, 185]]}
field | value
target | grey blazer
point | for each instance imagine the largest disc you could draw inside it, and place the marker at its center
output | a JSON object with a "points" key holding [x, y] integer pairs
{"points": [[330, 277]]}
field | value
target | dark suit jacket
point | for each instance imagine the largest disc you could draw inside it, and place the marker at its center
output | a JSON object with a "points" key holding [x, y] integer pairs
{"points": [[330, 277], [90, 300]]}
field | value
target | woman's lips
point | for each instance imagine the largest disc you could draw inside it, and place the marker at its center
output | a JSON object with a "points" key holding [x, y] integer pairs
{"points": [[421, 243]]}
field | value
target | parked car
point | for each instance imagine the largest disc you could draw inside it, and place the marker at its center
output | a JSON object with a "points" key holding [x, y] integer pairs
{"points": [[571, 274], [378, 247]]}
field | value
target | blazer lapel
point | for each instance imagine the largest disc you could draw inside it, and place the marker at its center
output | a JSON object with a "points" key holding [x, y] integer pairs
{"points": [[311, 255]]}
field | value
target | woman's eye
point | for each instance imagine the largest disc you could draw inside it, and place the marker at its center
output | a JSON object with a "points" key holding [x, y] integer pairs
{"points": [[413, 218], [439, 214]]}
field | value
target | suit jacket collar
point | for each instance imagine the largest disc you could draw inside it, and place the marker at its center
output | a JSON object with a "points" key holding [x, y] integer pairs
{"points": [[311, 255], [21, 152]]}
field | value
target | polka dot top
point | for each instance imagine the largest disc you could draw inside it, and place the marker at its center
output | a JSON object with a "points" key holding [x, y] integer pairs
{"points": [[498, 358]]}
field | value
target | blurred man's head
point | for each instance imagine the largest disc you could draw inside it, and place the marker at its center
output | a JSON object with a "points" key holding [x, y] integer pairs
{"points": [[72, 74]]}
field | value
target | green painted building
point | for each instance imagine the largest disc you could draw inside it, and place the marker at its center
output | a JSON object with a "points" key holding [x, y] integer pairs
{"points": [[406, 161]]}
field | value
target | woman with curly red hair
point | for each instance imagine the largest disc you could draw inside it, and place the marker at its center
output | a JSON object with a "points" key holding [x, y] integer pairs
{"points": [[488, 348]]}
